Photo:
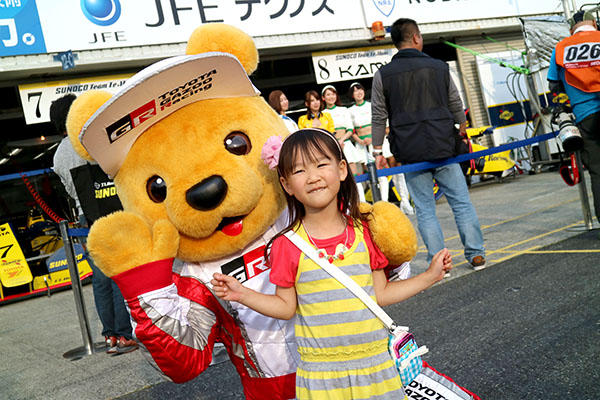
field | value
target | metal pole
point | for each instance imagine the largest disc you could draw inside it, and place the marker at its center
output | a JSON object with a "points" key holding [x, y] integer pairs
{"points": [[372, 170], [583, 195], [568, 11], [84, 324]]}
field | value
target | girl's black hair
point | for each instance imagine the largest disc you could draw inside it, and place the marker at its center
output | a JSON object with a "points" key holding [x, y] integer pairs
{"points": [[307, 96], [353, 86], [311, 143]]}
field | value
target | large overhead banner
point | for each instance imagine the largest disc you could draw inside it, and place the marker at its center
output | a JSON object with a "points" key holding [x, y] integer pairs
{"points": [[425, 11], [51, 26], [99, 24]]}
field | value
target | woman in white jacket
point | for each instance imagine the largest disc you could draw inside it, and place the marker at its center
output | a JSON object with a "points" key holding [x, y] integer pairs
{"points": [[343, 131]]}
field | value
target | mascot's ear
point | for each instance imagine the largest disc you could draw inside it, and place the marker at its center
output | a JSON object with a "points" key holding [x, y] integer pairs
{"points": [[81, 110], [226, 39]]}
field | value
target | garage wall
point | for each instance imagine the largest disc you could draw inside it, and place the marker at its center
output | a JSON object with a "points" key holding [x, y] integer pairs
{"points": [[468, 67]]}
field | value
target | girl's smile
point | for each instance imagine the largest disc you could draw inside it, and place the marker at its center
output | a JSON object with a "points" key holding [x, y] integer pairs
{"points": [[316, 183]]}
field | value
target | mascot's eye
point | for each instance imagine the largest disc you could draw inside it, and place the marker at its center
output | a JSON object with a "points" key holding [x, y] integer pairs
{"points": [[157, 189], [238, 143]]}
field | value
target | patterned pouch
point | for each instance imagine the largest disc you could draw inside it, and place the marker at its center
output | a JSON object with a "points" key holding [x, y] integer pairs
{"points": [[406, 355]]}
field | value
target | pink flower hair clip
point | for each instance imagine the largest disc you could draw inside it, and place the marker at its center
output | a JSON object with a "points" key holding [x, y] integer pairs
{"points": [[270, 151]]}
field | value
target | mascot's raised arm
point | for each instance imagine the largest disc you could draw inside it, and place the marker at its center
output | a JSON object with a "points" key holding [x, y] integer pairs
{"points": [[182, 140]]}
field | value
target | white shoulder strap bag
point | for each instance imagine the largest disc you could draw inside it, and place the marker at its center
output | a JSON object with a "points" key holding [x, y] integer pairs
{"points": [[396, 331]]}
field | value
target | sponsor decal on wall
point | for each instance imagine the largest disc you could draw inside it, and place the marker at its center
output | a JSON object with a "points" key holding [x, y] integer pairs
{"points": [[350, 64], [37, 97], [428, 11], [20, 30], [117, 23]]}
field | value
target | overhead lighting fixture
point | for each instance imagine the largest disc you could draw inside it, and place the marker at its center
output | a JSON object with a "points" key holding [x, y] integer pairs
{"points": [[39, 155], [42, 137], [14, 152], [3, 161], [53, 146]]}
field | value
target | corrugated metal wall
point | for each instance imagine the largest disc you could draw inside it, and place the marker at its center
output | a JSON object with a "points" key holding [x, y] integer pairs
{"points": [[468, 67]]}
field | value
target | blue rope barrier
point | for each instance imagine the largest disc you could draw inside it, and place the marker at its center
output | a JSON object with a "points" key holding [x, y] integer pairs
{"points": [[78, 232], [420, 166], [10, 177]]}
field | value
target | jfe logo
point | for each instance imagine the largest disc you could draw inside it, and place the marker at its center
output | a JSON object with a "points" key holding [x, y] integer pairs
{"points": [[101, 12]]}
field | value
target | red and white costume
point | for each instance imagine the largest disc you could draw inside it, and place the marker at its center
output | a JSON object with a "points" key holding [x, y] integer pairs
{"points": [[178, 320]]}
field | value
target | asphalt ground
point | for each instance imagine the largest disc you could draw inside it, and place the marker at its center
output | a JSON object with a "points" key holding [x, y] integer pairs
{"points": [[527, 327]]}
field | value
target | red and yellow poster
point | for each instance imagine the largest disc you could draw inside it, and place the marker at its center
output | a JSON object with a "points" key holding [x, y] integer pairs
{"points": [[14, 270]]}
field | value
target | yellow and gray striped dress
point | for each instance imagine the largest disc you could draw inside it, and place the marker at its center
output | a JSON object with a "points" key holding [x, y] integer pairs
{"points": [[342, 344]]}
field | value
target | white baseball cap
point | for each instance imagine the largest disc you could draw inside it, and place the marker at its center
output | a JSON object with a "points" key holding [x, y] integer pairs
{"points": [[156, 92]]}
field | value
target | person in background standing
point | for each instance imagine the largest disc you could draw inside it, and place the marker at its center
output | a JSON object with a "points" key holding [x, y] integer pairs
{"points": [[361, 121], [575, 70], [279, 102], [343, 131], [110, 305], [314, 118], [416, 94]]}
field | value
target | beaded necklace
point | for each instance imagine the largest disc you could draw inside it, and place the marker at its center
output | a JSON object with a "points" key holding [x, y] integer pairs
{"points": [[340, 249]]}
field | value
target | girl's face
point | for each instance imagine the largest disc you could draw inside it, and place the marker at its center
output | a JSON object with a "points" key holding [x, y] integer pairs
{"points": [[314, 104], [358, 95], [329, 97], [315, 180], [284, 103]]}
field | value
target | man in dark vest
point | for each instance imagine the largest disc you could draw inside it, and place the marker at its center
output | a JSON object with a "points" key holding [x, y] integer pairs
{"points": [[575, 70], [422, 103]]}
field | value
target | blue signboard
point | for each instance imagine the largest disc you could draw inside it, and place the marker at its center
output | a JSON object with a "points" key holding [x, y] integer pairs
{"points": [[20, 29]]}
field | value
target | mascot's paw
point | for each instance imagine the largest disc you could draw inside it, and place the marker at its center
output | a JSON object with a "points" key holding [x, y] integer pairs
{"points": [[122, 241], [365, 207], [392, 231]]}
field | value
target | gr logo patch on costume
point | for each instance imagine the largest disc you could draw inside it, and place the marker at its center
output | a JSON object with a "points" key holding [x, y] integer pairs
{"points": [[149, 110], [248, 266]]}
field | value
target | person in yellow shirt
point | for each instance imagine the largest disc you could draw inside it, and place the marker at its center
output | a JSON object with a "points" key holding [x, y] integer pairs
{"points": [[314, 117]]}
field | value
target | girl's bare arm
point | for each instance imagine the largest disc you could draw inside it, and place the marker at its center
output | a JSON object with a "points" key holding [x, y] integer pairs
{"points": [[281, 305]]}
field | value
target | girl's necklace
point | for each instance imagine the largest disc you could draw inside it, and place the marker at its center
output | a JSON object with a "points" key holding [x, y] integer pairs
{"points": [[340, 249]]}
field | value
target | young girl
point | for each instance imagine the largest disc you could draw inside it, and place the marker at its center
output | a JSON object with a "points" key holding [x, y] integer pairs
{"points": [[342, 345], [314, 118]]}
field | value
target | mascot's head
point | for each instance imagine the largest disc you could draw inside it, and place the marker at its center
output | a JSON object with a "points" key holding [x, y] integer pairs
{"points": [[182, 140]]}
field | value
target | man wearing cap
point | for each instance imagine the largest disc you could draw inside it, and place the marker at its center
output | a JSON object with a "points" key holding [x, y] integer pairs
{"points": [[422, 103], [575, 70]]}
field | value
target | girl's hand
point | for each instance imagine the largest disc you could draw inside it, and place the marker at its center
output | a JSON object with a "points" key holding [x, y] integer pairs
{"points": [[227, 287], [367, 141], [440, 264]]}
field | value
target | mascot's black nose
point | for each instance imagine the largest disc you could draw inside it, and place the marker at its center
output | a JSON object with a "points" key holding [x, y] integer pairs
{"points": [[207, 194]]}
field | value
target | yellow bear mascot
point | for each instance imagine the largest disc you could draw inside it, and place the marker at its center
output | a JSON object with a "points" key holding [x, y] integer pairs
{"points": [[182, 141]]}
